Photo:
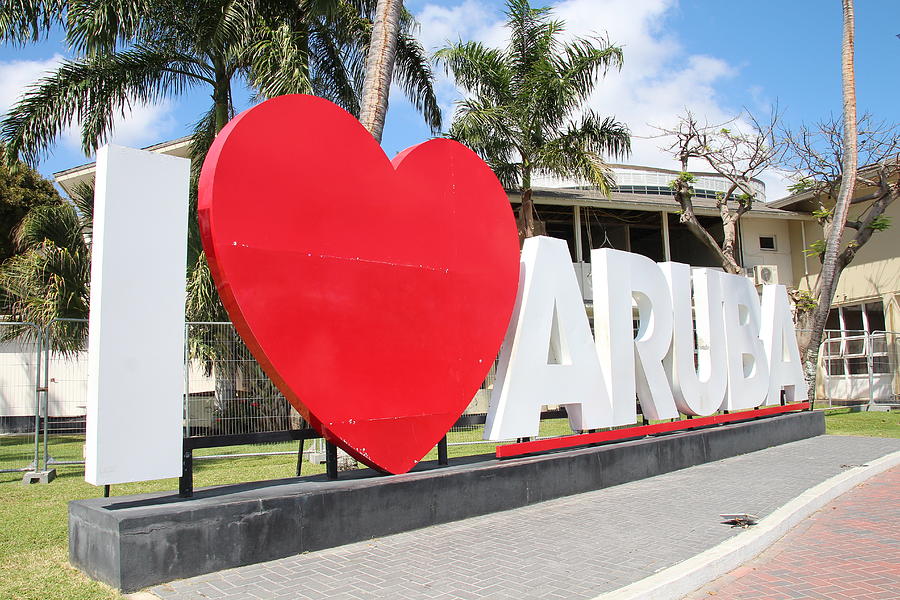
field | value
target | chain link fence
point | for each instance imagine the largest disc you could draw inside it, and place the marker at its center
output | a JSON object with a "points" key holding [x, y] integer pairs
{"points": [[227, 391]]}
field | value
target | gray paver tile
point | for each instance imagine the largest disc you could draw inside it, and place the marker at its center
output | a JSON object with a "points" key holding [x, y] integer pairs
{"points": [[575, 547]]}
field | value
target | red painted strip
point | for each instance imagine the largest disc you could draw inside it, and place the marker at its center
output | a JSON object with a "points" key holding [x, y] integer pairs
{"points": [[571, 441]]}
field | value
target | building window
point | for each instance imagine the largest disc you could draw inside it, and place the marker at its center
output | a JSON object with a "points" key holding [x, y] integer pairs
{"points": [[767, 242], [854, 338]]}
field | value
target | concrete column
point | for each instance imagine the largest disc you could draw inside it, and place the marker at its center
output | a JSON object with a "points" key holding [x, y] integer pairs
{"points": [[667, 252]]}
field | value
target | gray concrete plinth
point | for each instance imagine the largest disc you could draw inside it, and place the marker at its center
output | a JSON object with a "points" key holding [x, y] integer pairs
{"points": [[137, 541]]}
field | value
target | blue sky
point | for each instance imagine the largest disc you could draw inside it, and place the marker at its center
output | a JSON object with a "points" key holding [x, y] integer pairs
{"points": [[713, 57]]}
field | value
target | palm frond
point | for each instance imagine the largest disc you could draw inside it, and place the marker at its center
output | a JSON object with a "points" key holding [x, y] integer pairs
{"points": [[529, 27], [57, 224], [91, 91], [412, 71], [82, 197], [97, 26], [578, 151], [280, 60], [203, 302], [46, 285], [584, 59], [24, 21], [479, 70], [337, 69]]}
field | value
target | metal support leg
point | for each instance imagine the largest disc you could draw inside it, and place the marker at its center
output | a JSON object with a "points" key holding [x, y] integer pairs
{"points": [[300, 456], [186, 481], [442, 452], [46, 428], [35, 465], [44, 390], [331, 470]]}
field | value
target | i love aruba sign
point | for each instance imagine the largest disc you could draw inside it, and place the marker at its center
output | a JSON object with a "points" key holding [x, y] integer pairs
{"points": [[377, 293]]}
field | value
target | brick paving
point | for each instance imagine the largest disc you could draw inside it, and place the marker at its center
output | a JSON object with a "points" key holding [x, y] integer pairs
{"points": [[575, 547], [849, 549]]}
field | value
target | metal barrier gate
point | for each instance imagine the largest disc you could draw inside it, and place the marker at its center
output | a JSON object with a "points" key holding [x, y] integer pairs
{"points": [[20, 398], [860, 367]]}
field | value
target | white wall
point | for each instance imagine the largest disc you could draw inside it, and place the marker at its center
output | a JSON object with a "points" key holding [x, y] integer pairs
{"points": [[17, 373], [67, 384], [751, 229], [856, 387]]}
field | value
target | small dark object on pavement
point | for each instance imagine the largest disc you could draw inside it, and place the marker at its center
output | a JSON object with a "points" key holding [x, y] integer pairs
{"points": [[739, 520]]}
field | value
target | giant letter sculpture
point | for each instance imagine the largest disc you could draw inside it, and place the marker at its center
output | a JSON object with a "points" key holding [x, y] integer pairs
{"points": [[699, 389], [548, 355], [136, 346]]}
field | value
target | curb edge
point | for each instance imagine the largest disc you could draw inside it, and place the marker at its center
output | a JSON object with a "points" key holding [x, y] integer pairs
{"points": [[689, 575]]}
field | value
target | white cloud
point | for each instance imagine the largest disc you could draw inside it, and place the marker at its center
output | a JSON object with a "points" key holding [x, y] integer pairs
{"points": [[658, 81], [17, 75], [442, 25], [140, 125]]}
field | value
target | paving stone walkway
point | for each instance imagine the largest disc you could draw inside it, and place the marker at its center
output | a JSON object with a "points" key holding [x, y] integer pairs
{"points": [[575, 547], [849, 549]]}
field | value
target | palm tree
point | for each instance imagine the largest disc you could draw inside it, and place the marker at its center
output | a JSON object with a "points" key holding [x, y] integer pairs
{"points": [[831, 268], [147, 49], [379, 65], [50, 276], [525, 112], [144, 50]]}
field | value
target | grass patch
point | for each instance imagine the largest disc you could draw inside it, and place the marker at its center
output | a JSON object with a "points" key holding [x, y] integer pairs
{"points": [[869, 424], [33, 541]]}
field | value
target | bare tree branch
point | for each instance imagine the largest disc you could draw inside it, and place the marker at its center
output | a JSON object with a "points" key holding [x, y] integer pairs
{"points": [[737, 156]]}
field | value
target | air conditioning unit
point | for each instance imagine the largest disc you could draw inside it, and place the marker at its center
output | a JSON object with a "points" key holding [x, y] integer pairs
{"points": [[765, 274]]}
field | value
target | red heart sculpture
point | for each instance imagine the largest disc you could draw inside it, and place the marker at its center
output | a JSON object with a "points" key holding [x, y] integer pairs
{"points": [[374, 293]]}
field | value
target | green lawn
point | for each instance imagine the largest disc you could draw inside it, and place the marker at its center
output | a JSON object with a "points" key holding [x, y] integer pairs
{"points": [[33, 546], [869, 424]]}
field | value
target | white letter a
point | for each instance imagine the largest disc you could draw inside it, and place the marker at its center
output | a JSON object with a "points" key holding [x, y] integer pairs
{"points": [[549, 355]]}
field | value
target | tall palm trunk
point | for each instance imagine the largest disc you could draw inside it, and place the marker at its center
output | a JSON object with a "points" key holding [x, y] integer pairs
{"points": [[380, 66], [528, 222], [829, 275], [221, 94]]}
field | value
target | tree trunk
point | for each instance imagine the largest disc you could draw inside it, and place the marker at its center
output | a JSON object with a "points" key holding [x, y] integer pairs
{"points": [[221, 96], [830, 272], [729, 262], [380, 66], [526, 214], [688, 217]]}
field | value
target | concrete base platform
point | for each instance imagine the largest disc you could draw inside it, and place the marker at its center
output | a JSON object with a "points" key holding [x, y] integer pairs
{"points": [[133, 542]]}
